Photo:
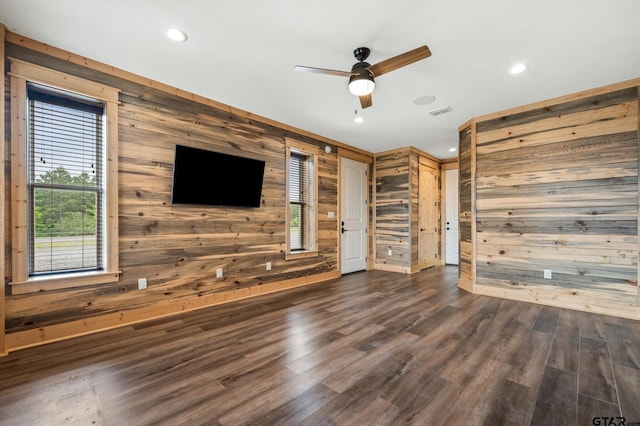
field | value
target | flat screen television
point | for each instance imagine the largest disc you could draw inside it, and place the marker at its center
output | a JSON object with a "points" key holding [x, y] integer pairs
{"points": [[215, 179]]}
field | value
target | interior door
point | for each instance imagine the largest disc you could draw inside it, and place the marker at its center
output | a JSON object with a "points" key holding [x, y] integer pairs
{"points": [[427, 217], [451, 216], [353, 220]]}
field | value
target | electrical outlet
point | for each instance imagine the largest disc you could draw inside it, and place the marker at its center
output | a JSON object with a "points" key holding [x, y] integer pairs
{"points": [[142, 283], [219, 273], [390, 252], [268, 266], [547, 274], [330, 215]]}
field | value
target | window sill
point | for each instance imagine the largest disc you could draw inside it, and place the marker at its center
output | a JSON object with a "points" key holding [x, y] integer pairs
{"points": [[62, 281], [300, 255]]}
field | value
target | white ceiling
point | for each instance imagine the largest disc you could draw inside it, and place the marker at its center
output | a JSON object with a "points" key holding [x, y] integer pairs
{"points": [[241, 53]]}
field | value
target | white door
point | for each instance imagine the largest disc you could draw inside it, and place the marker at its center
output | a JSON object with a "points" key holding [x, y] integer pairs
{"points": [[353, 220], [451, 217]]}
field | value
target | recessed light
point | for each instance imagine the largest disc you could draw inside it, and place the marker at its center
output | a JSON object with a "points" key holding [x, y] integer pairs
{"points": [[176, 35], [452, 150], [424, 100], [518, 68]]}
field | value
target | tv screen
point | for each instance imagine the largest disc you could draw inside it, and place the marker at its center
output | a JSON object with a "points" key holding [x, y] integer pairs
{"points": [[216, 179]]}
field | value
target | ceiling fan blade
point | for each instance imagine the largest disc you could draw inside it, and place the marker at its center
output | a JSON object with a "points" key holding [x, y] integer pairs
{"points": [[401, 60], [366, 101], [321, 71]]}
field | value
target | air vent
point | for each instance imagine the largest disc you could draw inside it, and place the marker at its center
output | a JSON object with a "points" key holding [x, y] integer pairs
{"points": [[441, 111]]}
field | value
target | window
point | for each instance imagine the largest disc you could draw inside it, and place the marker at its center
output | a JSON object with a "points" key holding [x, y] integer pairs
{"points": [[64, 180], [301, 200]]}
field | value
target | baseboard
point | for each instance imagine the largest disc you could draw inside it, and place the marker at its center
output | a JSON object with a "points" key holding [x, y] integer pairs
{"points": [[47, 334], [574, 299], [392, 268]]}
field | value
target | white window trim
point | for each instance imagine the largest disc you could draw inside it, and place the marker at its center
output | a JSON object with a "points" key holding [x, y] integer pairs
{"points": [[21, 73], [312, 151]]}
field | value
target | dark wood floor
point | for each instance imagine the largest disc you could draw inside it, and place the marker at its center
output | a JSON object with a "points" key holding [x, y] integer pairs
{"points": [[370, 348]]}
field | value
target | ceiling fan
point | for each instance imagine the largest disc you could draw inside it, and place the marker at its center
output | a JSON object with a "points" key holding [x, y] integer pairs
{"points": [[361, 77]]}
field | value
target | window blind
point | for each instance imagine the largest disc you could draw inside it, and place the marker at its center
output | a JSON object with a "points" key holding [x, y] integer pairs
{"points": [[66, 184], [298, 202]]}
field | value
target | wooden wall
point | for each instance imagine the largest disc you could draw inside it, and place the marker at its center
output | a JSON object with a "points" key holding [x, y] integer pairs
{"points": [[414, 208], [397, 207], [466, 224], [3, 32], [556, 188], [177, 248], [393, 221]]}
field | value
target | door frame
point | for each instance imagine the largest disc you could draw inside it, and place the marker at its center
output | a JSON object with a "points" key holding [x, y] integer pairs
{"points": [[448, 165], [369, 161], [434, 169]]}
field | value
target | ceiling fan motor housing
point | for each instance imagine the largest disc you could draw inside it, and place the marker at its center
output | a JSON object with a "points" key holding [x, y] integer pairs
{"points": [[360, 67], [361, 53]]}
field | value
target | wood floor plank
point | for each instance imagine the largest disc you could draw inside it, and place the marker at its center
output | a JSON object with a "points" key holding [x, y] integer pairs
{"points": [[557, 398], [477, 395], [353, 402], [513, 405], [332, 350], [376, 360], [628, 385], [443, 402], [564, 350], [377, 412], [624, 341], [590, 325], [530, 359], [592, 408], [302, 406], [596, 372], [412, 394], [370, 348], [547, 320]]}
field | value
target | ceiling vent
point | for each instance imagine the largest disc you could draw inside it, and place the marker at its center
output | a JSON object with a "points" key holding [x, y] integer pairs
{"points": [[441, 111]]}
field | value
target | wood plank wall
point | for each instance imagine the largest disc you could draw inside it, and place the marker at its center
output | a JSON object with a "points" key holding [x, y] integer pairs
{"points": [[397, 207], [466, 170], [3, 117], [557, 189], [414, 208], [393, 221], [177, 248]]}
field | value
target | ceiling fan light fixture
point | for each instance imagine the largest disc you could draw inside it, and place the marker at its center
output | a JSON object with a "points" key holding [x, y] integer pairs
{"points": [[361, 84]]}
